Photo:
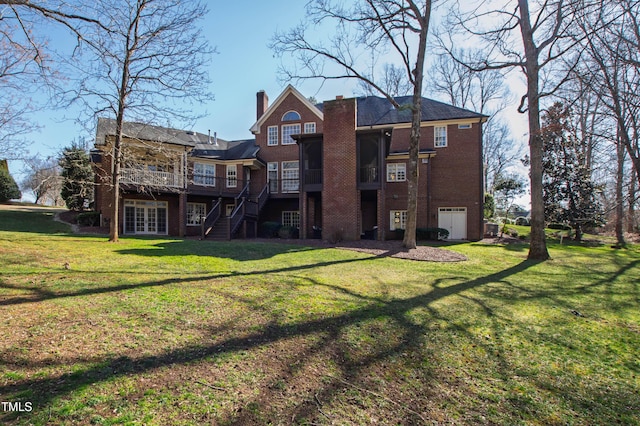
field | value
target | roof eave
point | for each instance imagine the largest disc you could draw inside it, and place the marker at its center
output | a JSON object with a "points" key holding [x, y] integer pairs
{"points": [[255, 129]]}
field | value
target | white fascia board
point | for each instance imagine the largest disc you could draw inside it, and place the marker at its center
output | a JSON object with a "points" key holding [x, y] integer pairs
{"points": [[255, 129]]}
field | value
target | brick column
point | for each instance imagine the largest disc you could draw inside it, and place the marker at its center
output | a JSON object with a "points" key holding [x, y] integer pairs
{"points": [[182, 212], [340, 196], [383, 218]]}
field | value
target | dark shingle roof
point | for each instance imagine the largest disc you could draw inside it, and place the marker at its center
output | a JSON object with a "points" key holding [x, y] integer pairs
{"points": [[227, 150], [203, 145], [374, 111]]}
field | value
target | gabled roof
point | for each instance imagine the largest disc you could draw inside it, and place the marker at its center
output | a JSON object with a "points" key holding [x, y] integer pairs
{"points": [[376, 111], [289, 90], [204, 146]]}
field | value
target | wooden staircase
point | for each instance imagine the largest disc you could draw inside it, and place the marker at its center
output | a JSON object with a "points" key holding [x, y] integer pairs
{"points": [[221, 227]]}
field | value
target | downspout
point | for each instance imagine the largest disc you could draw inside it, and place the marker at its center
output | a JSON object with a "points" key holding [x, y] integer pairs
{"points": [[482, 175], [429, 191]]}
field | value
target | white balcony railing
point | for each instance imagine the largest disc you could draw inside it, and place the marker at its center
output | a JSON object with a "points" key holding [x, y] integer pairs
{"points": [[151, 178]]}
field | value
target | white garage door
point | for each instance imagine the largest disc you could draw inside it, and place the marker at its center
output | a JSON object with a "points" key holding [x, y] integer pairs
{"points": [[453, 219]]}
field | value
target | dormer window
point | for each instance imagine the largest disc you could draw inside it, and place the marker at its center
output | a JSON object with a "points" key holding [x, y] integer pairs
{"points": [[291, 116]]}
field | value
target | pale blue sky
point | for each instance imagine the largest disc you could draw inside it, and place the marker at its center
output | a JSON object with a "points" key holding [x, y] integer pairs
{"points": [[244, 65]]}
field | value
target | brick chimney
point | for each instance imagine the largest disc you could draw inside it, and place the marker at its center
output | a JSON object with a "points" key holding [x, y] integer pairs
{"points": [[340, 195], [262, 103]]}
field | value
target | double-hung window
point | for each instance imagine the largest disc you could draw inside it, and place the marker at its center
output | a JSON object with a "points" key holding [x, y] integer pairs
{"points": [[290, 176], [272, 177], [396, 172], [204, 174], [195, 213], [440, 136], [232, 176], [291, 218], [272, 135], [398, 219], [310, 127], [287, 131]]}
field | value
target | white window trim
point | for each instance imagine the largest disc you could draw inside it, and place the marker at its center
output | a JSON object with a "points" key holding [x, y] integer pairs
{"points": [[396, 219], [290, 111], [232, 176], [146, 204], [194, 217], [395, 170], [273, 166], [286, 135], [204, 175], [439, 144], [270, 140], [288, 185], [292, 218], [310, 127]]}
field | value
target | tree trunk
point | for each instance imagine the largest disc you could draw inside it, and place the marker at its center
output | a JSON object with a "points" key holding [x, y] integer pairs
{"points": [[409, 240], [131, 44], [631, 212], [619, 229], [538, 247], [115, 182]]}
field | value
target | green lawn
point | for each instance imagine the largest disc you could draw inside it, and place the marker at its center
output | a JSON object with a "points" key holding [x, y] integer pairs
{"points": [[168, 331]]}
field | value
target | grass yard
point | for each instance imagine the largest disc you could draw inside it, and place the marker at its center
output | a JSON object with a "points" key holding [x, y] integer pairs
{"points": [[170, 332]]}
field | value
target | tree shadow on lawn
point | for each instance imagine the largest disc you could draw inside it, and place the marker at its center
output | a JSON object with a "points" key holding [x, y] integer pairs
{"points": [[178, 248], [352, 373], [243, 251], [39, 294], [42, 392]]}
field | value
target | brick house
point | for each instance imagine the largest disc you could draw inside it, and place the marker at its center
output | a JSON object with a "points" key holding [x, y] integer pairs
{"points": [[336, 170], [170, 179]]}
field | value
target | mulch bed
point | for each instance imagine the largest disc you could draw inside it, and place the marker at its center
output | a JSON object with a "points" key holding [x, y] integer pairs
{"points": [[390, 248]]}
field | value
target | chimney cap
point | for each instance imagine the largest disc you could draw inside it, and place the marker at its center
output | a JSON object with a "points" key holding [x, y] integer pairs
{"points": [[339, 98]]}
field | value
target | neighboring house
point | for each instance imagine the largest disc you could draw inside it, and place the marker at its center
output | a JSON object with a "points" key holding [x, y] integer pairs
{"points": [[336, 170]]}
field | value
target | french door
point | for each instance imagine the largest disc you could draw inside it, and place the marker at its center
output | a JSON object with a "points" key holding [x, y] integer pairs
{"points": [[145, 217]]}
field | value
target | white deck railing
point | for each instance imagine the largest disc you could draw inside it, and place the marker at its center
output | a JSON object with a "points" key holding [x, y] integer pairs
{"points": [[151, 178]]}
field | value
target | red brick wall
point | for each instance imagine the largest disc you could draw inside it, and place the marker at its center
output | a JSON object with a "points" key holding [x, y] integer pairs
{"points": [[340, 197], [103, 193], [279, 153], [396, 192], [284, 152], [456, 177]]}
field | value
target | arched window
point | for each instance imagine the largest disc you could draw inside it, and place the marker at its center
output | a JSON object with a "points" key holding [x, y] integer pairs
{"points": [[291, 116]]}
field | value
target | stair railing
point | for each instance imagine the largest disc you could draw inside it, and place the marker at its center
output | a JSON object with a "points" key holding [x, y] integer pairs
{"points": [[212, 217]]}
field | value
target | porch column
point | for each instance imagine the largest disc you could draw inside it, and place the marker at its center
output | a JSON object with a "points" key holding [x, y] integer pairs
{"points": [[382, 217], [182, 214], [302, 202]]}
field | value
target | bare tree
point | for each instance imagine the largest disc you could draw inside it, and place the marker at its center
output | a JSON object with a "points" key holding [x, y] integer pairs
{"points": [[43, 179], [611, 75], [19, 62], [614, 69], [392, 79], [534, 40], [398, 30], [149, 66], [27, 63], [484, 92]]}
